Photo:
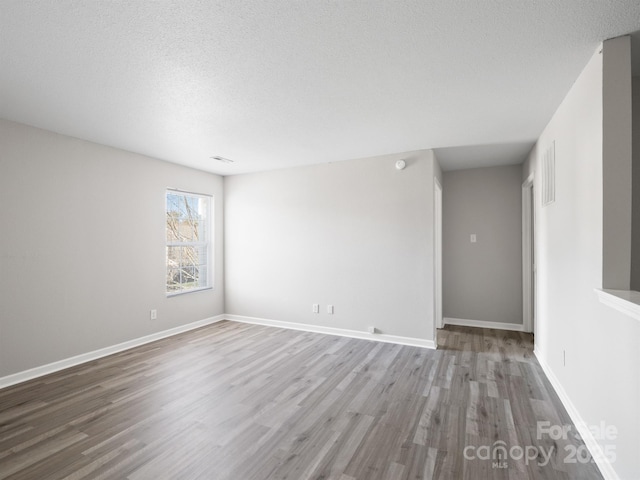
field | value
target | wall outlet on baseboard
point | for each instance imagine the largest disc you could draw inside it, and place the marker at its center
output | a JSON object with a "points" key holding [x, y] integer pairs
{"points": [[372, 329], [153, 314], [316, 308]]}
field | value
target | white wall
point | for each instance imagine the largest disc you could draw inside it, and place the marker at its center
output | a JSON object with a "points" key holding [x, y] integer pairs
{"points": [[635, 236], [483, 280], [602, 372], [356, 234], [82, 244]]}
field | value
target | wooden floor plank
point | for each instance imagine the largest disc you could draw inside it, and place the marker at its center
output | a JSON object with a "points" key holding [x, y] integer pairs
{"points": [[243, 402]]}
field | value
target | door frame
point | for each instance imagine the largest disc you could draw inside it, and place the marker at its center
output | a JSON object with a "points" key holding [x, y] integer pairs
{"points": [[437, 248], [528, 254]]}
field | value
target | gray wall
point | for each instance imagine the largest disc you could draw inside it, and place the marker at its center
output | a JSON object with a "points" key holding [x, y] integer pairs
{"points": [[635, 235], [483, 280], [82, 242], [356, 234], [616, 160], [590, 348]]}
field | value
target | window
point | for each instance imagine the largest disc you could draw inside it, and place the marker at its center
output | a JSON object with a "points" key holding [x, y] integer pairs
{"points": [[188, 242]]}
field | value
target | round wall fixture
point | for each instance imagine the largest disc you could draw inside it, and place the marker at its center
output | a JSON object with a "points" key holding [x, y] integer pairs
{"points": [[400, 164]]}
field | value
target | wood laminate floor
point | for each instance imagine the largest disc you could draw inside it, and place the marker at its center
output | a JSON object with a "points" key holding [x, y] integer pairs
{"points": [[243, 402]]}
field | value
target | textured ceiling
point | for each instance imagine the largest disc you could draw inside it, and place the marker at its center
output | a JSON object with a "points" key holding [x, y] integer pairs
{"points": [[274, 84]]}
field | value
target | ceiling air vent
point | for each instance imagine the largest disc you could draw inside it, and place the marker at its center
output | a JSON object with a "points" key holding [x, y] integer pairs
{"points": [[549, 175], [222, 159]]}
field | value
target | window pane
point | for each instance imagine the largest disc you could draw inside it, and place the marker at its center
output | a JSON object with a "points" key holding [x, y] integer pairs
{"points": [[186, 220], [173, 256], [189, 255], [188, 276], [173, 279]]}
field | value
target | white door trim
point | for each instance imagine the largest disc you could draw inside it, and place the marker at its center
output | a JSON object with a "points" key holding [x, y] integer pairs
{"points": [[437, 247], [527, 255]]}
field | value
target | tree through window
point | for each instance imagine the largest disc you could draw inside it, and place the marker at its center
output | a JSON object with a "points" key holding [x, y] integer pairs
{"points": [[188, 241]]}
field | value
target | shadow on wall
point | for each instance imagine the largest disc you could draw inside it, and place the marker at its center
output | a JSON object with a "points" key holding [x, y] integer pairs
{"points": [[479, 156]]}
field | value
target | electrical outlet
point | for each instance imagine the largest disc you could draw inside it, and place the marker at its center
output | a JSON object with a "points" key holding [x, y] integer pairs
{"points": [[154, 314], [474, 238], [564, 358], [372, 329], [316, 308], [330, 309]]}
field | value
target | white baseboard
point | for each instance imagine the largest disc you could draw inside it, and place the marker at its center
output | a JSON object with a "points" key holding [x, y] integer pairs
{"points": [[463, 322], [378, 337], [606, 469], [102, 352], [40, 371]]}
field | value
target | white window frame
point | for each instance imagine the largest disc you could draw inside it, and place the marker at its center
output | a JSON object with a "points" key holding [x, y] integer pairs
{"points": [[207, 243]]}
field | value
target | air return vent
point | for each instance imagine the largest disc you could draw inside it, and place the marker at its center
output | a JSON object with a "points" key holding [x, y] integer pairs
{"points": [[549, 175], [221, 159]]}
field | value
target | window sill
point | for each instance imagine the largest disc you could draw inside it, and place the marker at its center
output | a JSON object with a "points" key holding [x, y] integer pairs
{"points": [[625, 301], [186, 292]]}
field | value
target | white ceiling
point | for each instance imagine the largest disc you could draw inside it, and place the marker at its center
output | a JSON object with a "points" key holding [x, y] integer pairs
{"points": [[274, 84]]}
